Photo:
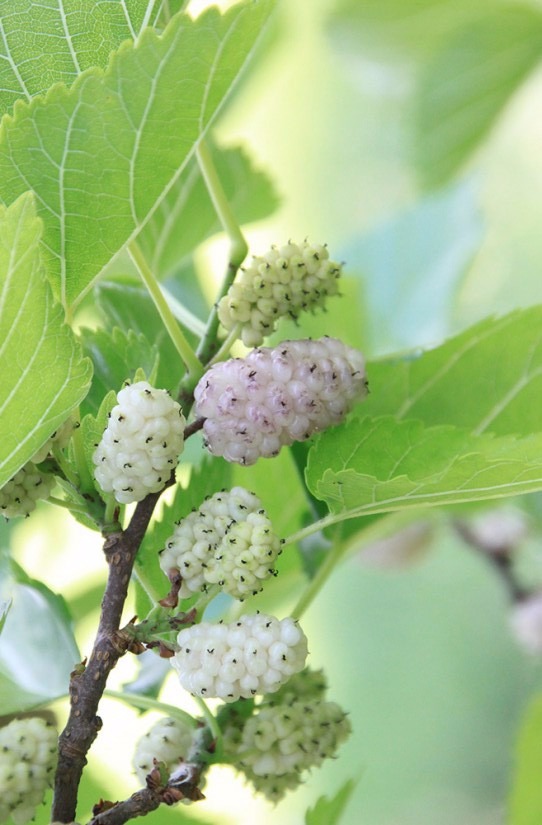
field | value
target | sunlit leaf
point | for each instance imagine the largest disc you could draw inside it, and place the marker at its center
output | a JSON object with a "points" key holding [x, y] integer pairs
{"points": [[44, 374], [44, 42], [379, 465], [102, 155], [469, 81], [487, 379]]}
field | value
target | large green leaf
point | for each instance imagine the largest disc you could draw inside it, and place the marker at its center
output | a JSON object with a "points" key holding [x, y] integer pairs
{"points": [[44, 42], [37, 646], [102, 155], [467, 84], [384, 464], [186, 216], [488, 378], [44, 375], [526, 796]]}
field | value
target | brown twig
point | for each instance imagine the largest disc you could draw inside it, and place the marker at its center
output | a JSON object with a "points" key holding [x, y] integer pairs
{"points": [[88, 682], [500, 559]]}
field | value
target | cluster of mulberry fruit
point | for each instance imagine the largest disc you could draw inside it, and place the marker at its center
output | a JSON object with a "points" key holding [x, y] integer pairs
{"points": [[28, 754], [141, 443], [255, 655], [253, 406], [289, 733], [284, 281], [229, 541]]}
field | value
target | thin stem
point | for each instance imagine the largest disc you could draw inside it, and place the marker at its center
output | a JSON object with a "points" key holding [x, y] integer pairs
{"points": [[331, 560], [73, 508], [143, 580], [376, 530], [226, 345], [182, 314], [184, 349], [212, 724], [137, 700], [238, 245]]}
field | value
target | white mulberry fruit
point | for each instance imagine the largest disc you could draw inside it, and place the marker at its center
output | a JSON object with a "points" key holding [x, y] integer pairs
{"points": [[256, 654], [28, 755], [253, 406], [284, 281], [229, 541], [169, 740], [283, 740], [19, 495], [141, 443]]}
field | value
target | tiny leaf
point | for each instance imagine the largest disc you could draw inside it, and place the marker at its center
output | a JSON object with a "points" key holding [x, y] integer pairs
{"points": [[329, 811]]}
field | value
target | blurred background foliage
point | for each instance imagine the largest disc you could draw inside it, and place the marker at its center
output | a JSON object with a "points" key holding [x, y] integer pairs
{"points": [[405, 134]]}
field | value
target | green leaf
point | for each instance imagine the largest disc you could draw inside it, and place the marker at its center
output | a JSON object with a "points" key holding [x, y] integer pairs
{"points": [[102, 155], [412, 266], [379, 465], [487, 379], [466, 86], [329, 811], [186, 216], [116, 357], [44, 375], [526, 795], [131, 308], [38, 624], [42, 43]]}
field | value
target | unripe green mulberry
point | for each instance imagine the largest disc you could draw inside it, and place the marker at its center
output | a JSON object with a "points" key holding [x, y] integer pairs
{"points": [[28, 755], [19, 496], [229, 541], [284, 281], [286, 738], [169, 741]]}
